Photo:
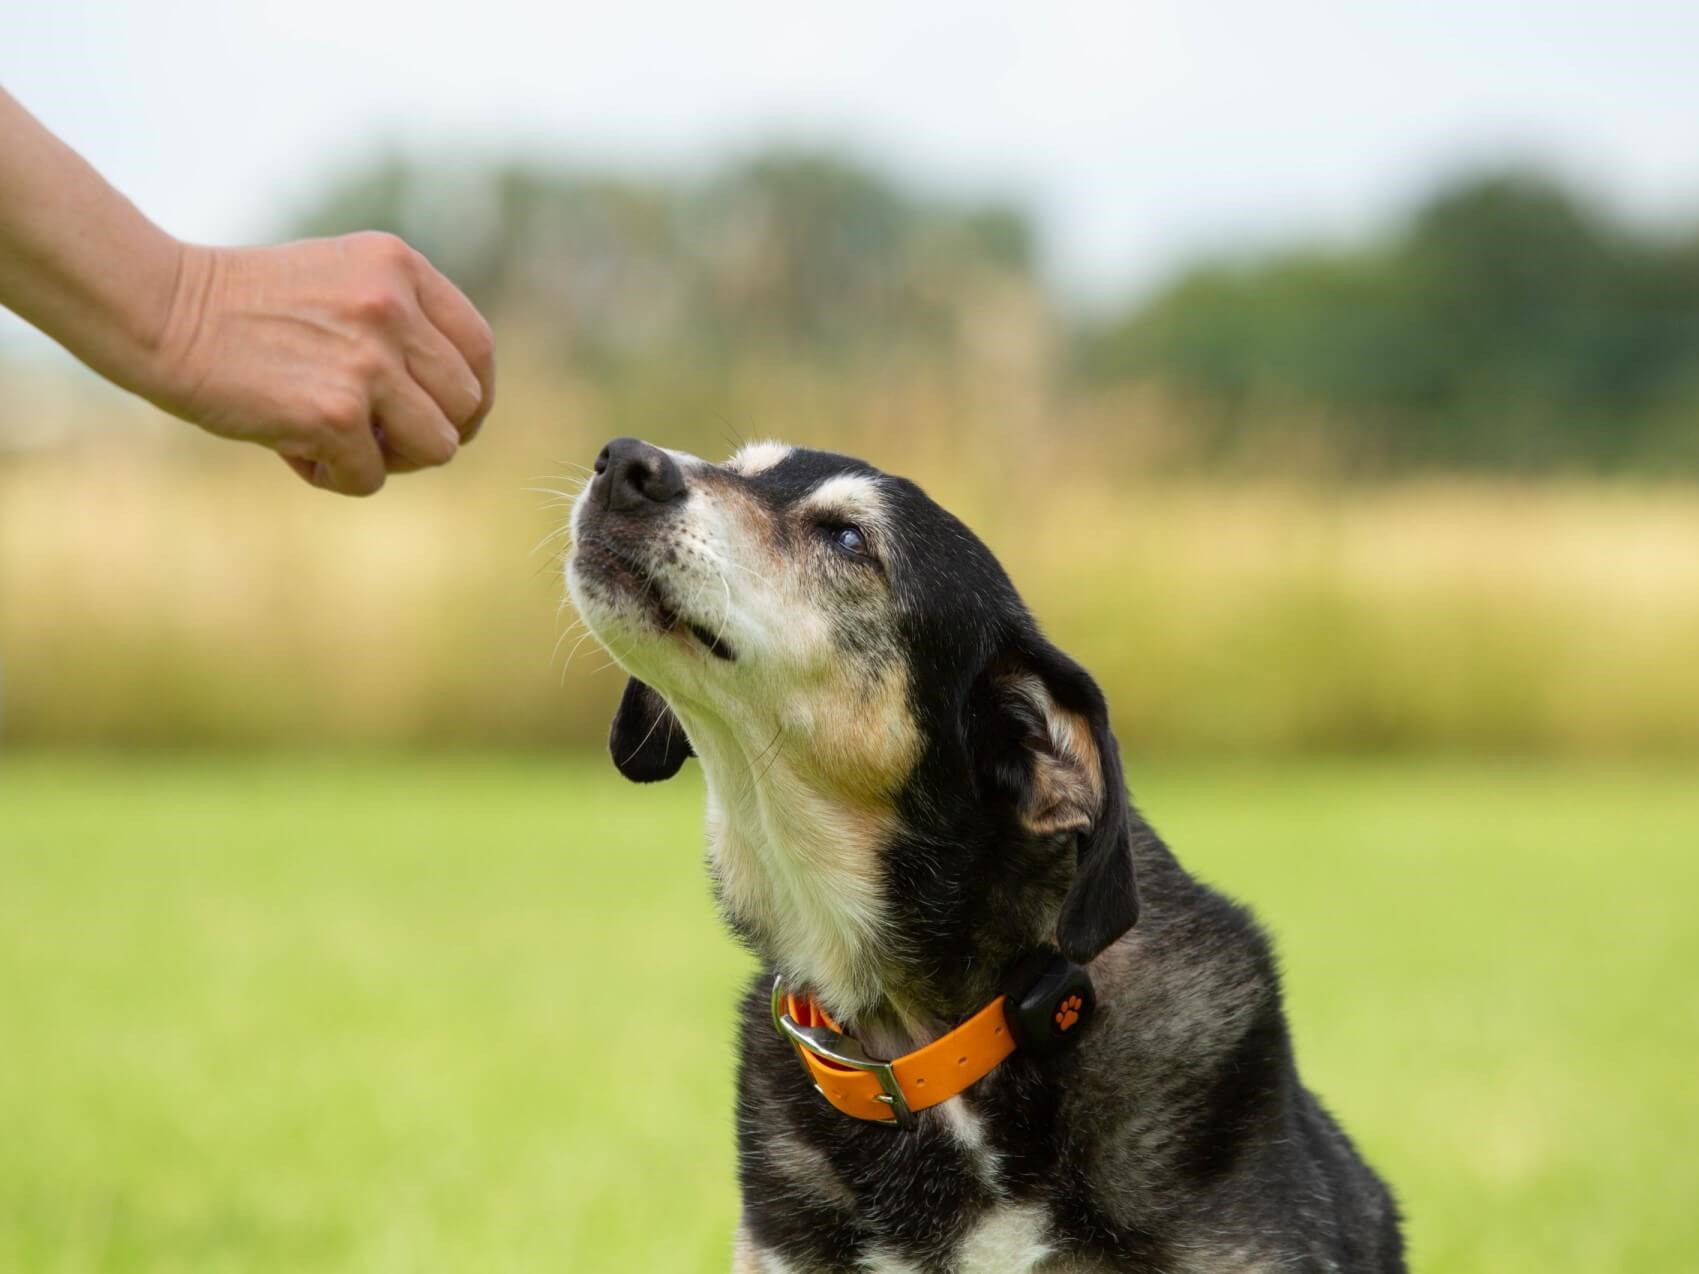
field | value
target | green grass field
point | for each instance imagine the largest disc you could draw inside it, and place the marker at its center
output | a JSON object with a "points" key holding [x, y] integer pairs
{"points": [[400, 1014]]}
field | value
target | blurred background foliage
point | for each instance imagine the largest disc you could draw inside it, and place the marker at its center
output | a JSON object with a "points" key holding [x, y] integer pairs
{"points": [[1507, 323], [799, 255], [1426, 490]]}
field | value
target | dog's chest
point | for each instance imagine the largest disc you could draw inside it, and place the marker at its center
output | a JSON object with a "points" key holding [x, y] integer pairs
{"points": [[1009, 1238], [1009, 1235], [948, 1206]]}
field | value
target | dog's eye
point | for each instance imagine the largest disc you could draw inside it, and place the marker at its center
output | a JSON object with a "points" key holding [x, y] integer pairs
{"points": [[849, 538]]}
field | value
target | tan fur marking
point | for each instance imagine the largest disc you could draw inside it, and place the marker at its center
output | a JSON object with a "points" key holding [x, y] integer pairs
{"points": [[862, 739], [755, 521], [1067, 772], [1071, 734]]}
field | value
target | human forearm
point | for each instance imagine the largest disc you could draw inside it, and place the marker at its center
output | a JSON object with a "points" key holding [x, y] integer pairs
{"points": [[77, 259]]}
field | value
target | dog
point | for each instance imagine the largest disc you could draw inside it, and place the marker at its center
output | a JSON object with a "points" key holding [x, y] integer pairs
{"points": [[998, 1029]]}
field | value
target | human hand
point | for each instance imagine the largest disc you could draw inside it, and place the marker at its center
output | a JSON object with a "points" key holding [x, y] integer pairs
{"points": [[352, 358]]}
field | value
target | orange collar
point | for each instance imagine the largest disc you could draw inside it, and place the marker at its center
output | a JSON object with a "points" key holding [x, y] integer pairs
{"points": [[890, 1092]]}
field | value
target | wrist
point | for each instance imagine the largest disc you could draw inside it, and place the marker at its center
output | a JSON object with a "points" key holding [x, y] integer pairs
{"points": [[168, 319], [124, 323]]}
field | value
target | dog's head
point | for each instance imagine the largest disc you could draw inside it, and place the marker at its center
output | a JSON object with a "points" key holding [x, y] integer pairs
{"points": [[903, 772]]}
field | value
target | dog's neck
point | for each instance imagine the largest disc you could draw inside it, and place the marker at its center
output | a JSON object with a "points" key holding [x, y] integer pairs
{"points": [[797, 872], [800, 876]]}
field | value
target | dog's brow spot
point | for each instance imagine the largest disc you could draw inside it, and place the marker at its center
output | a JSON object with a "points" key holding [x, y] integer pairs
{"points": [[856, 491], [758, 457]]}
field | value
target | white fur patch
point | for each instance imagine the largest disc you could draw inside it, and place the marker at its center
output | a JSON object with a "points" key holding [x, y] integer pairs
{"points": [[765, 1263], [884, 1263], [1009, 1239], [787, 858], [758, 457], [970, 1134]]}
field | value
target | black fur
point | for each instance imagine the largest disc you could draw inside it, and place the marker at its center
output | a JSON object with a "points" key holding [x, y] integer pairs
{"points": [[1176, 1135]]}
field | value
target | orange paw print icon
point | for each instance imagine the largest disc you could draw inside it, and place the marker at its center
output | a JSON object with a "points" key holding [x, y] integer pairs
{"points": [[1068, 1012]]}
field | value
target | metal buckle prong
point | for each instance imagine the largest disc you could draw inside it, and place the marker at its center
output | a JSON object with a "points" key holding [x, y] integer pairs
{"points": [[841, 1049]]}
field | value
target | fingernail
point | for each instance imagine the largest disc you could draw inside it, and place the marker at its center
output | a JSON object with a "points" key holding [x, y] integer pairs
{"points": [[321, 475]]}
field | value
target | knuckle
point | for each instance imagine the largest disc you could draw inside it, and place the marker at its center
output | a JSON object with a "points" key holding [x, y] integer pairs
{"points": [[366, 364], [381, 245], [341, 412], [481, 343], [380, 303]]}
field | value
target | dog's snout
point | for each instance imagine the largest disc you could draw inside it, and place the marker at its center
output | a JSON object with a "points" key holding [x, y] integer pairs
{"points": [[634, 477]]}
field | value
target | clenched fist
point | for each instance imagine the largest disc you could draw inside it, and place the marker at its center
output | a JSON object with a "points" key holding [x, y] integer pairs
{"points": [[351, 358]]}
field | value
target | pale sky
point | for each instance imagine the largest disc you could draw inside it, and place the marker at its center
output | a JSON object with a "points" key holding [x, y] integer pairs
{"points": [[1139, 133]]}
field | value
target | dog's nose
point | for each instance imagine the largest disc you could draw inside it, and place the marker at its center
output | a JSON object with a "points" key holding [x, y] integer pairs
{"points": [[634, 477]]}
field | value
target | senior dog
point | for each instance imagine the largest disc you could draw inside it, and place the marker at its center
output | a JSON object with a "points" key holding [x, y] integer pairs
{"points": [[998, 1028]]}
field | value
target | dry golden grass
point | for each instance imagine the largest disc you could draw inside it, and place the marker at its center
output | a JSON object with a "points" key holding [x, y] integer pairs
{"points": [[1434, 614], [160, 587]]}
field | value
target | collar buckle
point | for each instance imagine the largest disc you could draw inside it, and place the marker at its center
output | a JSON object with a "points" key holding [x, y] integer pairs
{"points": [[841, 1050]]}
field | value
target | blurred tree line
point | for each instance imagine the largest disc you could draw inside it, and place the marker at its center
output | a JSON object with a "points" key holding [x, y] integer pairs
{"points": [[789, 255], [1508, 323]]}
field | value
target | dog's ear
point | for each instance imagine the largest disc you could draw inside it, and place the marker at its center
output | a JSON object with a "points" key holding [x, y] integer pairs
{"points": [[647, 742], [1048, 747]]}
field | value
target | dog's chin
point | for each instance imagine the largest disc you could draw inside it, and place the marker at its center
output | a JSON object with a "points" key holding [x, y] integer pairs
{"points": [[613, 591], [626, 608]]}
